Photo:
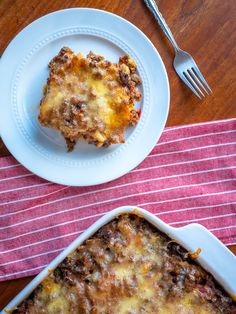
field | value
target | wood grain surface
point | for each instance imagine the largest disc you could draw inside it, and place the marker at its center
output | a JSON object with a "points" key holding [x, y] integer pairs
{"points": [[204, 28]]}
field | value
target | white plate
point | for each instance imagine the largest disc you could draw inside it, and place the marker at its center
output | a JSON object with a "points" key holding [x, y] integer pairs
{"points": [[24, 71], [191, 237]]}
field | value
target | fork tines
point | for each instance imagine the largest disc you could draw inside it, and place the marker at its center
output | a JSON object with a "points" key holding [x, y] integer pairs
{"points": [[196, 82]]}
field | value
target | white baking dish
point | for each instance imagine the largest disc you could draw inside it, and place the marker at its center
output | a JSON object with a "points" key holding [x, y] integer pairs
{"points": [[214, 257]]}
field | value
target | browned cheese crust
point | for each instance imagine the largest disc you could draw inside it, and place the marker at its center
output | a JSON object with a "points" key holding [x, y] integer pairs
{"points": [[90, 98], [128, 267]]}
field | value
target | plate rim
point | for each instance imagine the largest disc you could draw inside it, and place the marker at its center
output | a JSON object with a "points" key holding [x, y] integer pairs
{"points": [[139, 159]]}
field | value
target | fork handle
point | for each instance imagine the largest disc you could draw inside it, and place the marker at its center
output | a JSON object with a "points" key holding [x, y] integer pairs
{"points": [[152, 6]]}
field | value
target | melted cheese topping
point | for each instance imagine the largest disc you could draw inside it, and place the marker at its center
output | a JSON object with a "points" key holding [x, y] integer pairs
{"points": [[126, 268], [86, 98]]}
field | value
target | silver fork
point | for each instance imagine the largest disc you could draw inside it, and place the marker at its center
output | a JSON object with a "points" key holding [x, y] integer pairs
{"points": [[184, 64]]}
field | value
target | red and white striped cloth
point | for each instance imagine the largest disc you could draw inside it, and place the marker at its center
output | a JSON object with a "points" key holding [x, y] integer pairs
{"points": [[190, 176]]}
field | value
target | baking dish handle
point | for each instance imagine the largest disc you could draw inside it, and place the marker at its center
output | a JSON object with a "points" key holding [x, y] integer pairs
{"points": [[214, 256]]}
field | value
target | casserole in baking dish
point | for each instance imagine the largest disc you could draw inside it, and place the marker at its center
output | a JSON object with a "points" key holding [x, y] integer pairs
{"points": [[131, 262]]}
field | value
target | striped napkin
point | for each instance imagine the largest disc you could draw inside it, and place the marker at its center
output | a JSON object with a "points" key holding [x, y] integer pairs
{"points": [[190, 176]]}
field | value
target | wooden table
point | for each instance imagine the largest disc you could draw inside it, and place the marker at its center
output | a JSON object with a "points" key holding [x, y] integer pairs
{"points": [[204, 28]]}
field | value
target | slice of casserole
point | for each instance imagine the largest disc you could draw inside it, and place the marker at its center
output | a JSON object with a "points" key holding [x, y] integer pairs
{"points": [[90, 98], [128, 267]]}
